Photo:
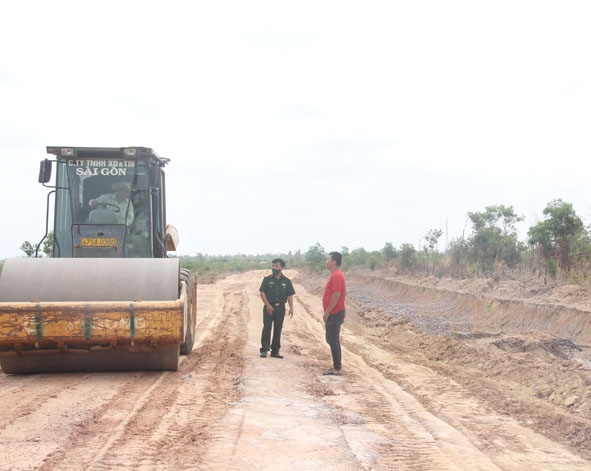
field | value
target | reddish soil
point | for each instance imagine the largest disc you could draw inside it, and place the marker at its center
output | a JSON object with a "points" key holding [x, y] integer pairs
{"points": [[438, 374]]}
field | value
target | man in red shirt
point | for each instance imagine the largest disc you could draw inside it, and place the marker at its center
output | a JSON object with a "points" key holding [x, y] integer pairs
{"points": [[333, 302]]}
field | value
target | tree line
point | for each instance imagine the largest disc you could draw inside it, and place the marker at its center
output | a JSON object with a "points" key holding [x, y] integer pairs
{"points": [[558, 246]]}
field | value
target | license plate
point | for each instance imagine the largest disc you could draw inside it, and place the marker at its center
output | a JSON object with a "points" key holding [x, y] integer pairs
{"points": [[98, 242]]}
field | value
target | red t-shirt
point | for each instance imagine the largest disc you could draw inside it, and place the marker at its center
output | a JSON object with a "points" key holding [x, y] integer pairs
{"points": [[336, 282]]}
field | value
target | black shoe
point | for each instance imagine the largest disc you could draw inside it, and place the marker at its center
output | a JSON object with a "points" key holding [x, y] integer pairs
{"points": [[263, 354], [276, 355]]}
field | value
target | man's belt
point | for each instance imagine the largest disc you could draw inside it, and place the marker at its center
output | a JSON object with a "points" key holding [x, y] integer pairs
{"points": [[277, 304]]}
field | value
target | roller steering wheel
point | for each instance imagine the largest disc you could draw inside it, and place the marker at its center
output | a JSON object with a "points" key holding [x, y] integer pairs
{"points": [[110, 206]]}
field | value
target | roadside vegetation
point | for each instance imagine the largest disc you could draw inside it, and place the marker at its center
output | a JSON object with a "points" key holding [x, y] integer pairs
{"points": [[558, 248]]}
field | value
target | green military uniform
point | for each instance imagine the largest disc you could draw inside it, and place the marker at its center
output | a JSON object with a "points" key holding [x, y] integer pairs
{"points": [[277, 291]]}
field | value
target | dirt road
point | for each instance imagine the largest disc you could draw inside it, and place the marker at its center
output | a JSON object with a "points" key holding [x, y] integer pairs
{"points": [[410, 398]]}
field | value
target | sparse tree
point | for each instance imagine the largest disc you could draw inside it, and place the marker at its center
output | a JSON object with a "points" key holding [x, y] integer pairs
{"points": [[48, 245], [30, 250], [556, 234], [432, 238], [315, 257], [346, 262], [359, 257], [458, 248], [389, 252], [494, 237], [27, 248], [408, 256]]}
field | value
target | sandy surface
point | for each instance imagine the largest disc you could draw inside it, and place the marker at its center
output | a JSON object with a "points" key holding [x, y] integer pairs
{"points": [[439, 374]]}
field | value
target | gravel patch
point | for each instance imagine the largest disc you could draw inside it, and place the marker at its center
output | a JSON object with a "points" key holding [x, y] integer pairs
{"points": [[431, 318]]}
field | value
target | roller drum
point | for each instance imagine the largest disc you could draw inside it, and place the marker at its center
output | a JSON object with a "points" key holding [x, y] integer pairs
{"points": [[52, 311], [89, 279]]}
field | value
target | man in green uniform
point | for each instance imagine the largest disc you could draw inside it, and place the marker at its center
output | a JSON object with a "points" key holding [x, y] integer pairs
{"points": [[276, 289]]}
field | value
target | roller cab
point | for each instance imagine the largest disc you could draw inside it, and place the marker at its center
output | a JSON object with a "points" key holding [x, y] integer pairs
{"points": [[109, 299]]}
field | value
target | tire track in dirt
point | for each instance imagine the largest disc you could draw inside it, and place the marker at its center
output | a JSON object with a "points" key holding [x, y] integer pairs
{"points": [[277, 424], [441, 422], [394, 408], [428, 421], [536, 378], [406, 435], [325, 415], [58, 406], [165, 424]]}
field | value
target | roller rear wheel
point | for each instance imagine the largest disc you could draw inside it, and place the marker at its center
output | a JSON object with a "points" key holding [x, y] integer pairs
{"points": [[187, 345]]}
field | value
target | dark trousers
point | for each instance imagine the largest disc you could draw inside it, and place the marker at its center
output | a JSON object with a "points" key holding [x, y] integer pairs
{"points": [[275, 322], [333, 334]]}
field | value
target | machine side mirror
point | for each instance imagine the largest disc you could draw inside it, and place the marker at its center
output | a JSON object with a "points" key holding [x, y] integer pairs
{"points": [[45, 171]]}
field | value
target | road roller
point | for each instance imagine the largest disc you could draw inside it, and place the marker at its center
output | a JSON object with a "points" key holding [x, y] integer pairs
{"points": [[109, 298]]}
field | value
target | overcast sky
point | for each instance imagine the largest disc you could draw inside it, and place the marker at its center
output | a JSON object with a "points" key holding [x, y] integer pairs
{"points": [[344, 123]]}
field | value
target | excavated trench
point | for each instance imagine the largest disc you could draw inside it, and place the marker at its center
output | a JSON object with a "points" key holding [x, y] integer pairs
{"points": [[442, 311]]}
